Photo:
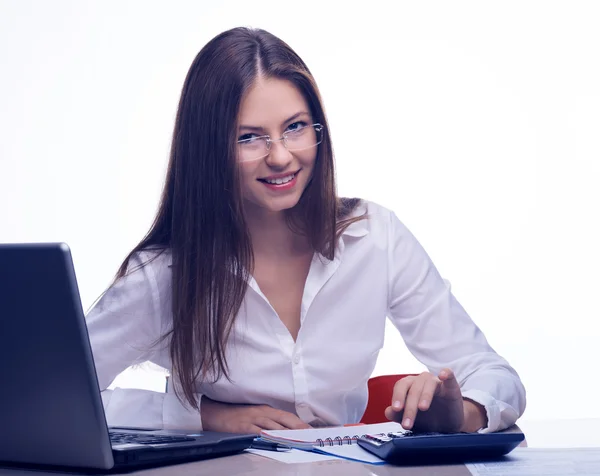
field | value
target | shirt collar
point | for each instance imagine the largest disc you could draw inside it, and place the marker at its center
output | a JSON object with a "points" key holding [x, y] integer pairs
{"points": [[357, 229]]}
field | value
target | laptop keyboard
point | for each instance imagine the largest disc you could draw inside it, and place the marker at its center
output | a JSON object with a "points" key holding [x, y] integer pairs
{"points": [[117, 438]]}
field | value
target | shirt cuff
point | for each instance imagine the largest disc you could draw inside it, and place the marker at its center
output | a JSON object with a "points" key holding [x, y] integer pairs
{"points": [[491, 409], [180, 416]]}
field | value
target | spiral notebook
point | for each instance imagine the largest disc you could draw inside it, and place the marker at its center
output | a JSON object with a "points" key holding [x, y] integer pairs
{"points": [[324, 437]]}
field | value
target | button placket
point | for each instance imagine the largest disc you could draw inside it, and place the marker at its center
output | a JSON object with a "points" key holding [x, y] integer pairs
{"points": [[300, 387]]}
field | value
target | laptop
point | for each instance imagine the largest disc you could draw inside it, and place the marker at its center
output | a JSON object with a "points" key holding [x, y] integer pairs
{"points": [[51, 411]]}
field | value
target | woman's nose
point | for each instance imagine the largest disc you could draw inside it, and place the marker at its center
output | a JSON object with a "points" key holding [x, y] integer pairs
{"points": [[279, 156]]}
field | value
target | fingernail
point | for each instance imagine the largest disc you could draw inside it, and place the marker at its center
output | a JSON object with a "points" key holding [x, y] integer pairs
{"points": [[443, 373], [406, 423], [423, 403], [397, 405]]}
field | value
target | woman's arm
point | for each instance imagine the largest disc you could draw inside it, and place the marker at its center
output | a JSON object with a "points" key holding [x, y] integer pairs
{"points": [[125, 329], [440, 334]]}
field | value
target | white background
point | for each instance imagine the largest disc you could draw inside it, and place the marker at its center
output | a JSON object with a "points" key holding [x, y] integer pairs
{"points": [[476, 122]]}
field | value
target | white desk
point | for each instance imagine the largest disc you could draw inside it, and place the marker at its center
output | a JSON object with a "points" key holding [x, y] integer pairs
{"points": [[538, 434], [581, 433]]}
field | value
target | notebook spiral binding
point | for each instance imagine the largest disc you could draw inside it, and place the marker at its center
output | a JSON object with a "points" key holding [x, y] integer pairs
{"points": [[338, 440]]}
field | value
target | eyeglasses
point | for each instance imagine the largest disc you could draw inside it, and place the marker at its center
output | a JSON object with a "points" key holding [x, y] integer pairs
{"points": [[304, 136]]}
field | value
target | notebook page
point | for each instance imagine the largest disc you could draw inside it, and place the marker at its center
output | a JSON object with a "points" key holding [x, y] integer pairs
{"points": [[294, 456], [351, 452], [331, 436]]}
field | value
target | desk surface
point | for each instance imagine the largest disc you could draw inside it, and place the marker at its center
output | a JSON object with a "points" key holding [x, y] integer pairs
{"points": [[538, 434]]}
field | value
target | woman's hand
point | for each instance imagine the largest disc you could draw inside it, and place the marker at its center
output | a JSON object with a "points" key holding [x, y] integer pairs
{"points": [[429, 403], [230, 418]]}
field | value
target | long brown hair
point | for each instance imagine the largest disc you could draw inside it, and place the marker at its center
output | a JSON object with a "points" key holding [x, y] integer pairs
{"points": [[200, 218]]}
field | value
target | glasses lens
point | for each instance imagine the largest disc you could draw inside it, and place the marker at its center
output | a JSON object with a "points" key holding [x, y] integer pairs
{"points": [[252, 149], [304, 137]]}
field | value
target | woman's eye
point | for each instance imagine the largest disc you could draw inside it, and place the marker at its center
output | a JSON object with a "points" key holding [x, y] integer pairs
{"points": [[296, 126], [247, 137]]}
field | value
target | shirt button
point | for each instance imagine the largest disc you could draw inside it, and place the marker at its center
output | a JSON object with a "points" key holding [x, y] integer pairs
{"points": [[297, 359]]}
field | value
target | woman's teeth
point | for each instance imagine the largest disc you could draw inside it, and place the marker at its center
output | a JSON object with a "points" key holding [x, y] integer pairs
{"points": [[281, 180]]}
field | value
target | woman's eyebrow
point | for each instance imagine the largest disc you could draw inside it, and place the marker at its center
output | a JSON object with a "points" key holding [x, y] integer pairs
{"points": [[289, 119], [295, 116], [252, 128]]}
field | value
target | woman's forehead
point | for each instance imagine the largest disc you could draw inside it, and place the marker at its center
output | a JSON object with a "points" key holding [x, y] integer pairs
{"points": [[270, 102]]}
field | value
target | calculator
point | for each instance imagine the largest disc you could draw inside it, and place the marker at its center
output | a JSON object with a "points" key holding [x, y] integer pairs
{"points": [[430, 448]]}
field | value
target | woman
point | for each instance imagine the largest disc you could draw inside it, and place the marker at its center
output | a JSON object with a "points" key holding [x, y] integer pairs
{"points": [[265, 294]]}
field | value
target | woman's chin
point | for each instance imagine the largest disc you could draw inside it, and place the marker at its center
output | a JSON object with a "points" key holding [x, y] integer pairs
{"points": [[274, 205]]}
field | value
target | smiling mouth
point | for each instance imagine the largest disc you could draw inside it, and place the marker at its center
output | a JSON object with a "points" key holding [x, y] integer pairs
{"points": [[280, 180]]}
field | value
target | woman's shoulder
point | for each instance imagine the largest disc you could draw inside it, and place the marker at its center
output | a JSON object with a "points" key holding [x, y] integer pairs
{"points": [[379, 222], [355, 207], [158, 257], [155, 263], [371, 214], [368, 218]]}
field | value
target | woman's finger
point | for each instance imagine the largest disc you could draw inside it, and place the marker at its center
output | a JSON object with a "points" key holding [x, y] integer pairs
{"points": [[267, 423], [288, 420], [412, 400], [252, 429], [430, 389], [399, 394], [450, 388]]}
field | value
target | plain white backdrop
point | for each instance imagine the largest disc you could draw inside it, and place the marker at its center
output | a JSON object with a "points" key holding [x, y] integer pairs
{"points": [[477, 122]]}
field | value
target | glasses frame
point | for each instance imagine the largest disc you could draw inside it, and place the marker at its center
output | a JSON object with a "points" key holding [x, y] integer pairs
{"points": [[284, 137]]}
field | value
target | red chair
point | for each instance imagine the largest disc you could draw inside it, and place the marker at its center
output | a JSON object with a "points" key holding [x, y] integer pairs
{"points": [[380, 397]]}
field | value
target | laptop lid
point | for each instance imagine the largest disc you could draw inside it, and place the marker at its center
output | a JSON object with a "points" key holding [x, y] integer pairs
{"points": [[51, 410]]}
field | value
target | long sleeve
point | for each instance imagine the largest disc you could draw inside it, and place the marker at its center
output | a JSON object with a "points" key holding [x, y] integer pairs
{"points": [[439, 333], [125, 328]]}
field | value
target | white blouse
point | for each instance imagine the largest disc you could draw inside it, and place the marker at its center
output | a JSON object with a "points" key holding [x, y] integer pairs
{"points": [[379, 270]]}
